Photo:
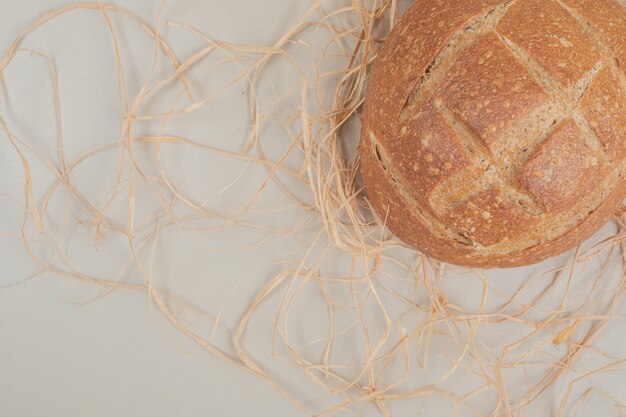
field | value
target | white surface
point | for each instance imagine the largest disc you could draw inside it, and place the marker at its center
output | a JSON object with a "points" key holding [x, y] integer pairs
{"points": [[117, 355]]}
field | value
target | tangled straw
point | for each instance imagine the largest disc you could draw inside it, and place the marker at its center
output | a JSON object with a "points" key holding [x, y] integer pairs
{"points": [[399, 333]]}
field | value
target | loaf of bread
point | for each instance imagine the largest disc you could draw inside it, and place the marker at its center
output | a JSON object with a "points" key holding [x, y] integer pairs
{"points": [[494, 131]]}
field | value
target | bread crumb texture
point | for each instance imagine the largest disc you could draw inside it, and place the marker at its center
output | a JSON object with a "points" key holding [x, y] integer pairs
{"points": [[494, 130]]}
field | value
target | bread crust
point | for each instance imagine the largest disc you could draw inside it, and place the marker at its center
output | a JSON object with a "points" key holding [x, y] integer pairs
{"points": [[485, 144]]}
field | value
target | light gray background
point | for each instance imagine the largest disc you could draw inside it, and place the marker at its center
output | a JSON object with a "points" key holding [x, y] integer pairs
{"points": [[115, 357], [118, 356]]}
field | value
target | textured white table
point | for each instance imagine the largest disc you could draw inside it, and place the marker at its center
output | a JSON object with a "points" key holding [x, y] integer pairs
{"points": [[117, 356]]}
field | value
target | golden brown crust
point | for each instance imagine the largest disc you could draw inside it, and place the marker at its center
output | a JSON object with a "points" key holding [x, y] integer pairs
{"points": [[488, 218], [480, 86], [552, 36], [493, 132], [604, 106], [427, 151], [408, 224], [427, 27], [609, 18], [561, 168], [572, 238], [412, 228]]}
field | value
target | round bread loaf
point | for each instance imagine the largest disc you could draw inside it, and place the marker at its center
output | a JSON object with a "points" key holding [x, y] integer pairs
{"points": [[494, 132]]}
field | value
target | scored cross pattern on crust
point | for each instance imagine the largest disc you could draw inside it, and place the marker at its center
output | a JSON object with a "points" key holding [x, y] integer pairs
{"points": [[505, 121]]}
